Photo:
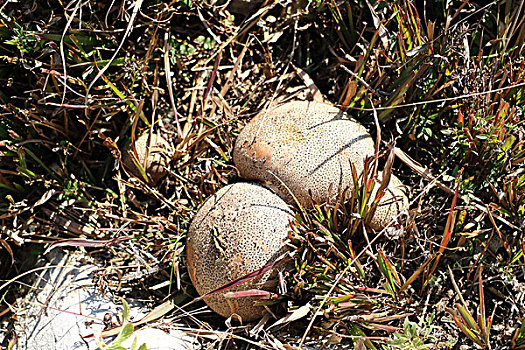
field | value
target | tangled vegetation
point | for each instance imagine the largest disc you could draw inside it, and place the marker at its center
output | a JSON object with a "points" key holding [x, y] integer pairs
{"points": [[440, 85]]}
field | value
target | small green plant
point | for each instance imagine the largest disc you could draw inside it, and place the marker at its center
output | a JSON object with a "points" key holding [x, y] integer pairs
{"points": [[23, 39], [207, 43], [180, 49], [126, 331], [415, 335], [187, 3]]}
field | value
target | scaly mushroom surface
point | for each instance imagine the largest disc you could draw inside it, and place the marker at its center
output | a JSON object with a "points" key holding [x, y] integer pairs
{"points": [[238, 230], [303, 148], [152, 156]]}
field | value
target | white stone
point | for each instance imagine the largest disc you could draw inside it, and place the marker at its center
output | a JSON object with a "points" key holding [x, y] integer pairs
{"points": [[73, 302], [156, 339]]}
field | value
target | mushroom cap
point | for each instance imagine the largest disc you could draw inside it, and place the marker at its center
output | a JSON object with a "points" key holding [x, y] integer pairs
{"points": [[307, 146], [157, 158], [238, 230], [391, 204]]}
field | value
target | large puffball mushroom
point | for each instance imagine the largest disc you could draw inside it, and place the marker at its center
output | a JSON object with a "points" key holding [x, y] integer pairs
{"points": [[302, 147], [391, 204], [240, 229], [152, 156]]}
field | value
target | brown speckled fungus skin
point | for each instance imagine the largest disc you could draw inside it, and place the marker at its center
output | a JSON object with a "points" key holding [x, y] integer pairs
{"points": [[156, 162], [307, 145], [392, 203], [238, 230]]}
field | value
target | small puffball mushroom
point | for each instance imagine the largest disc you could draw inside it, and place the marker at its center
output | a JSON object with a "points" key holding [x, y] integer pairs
{"points": [[307, 146], [390, 205], [238, 230], [153, 160]]}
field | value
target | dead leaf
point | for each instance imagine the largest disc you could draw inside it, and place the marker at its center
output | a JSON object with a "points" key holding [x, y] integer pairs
{"points": [[294, 316]]}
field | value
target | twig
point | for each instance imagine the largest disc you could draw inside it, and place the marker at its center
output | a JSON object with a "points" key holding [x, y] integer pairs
{"points": [[362, 81], [439, 100], [456, 288], [167, 68], [136, 8], [62, 54]]}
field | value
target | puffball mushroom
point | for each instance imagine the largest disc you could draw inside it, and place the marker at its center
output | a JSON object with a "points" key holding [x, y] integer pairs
{"points": [[238, 230], [302, 147], [153, 159], [390, 205]]}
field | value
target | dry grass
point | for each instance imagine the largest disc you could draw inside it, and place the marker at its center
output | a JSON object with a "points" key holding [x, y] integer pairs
{"points": [[81, 81]]}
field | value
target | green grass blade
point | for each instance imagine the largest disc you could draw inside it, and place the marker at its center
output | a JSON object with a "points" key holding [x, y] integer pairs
{"points": [[468, 319], [464, 328]]}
